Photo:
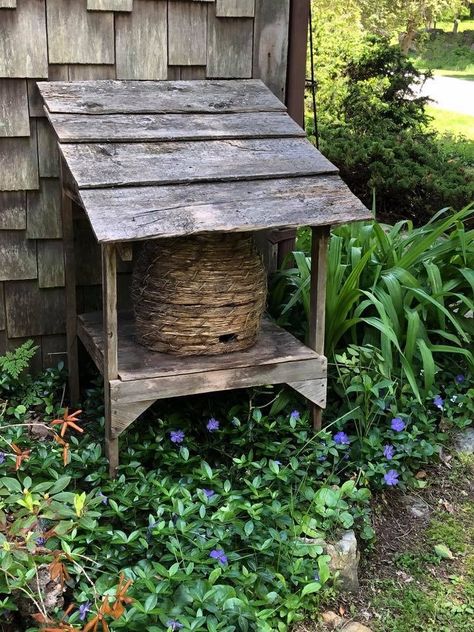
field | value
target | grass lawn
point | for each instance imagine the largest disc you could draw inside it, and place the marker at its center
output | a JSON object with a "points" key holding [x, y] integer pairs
{"points": [[464, 25], [447, 54], [456, 130]]}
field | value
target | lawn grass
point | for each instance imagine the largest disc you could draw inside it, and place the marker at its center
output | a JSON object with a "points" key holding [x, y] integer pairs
{"points": [[446, 54], [464, 25], [456, 132]]}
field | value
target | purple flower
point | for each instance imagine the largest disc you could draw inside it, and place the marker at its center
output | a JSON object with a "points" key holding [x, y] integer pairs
{"points": [[388, 452], [459, 379], [219, 555], [2, 457], [341, 438], [398, 424], [209, 493], [295, 415], [212, 425], [317, 578], [277, 462], [104, 498], [177, 436], [174, 625], [84, 610], [40, 541], [321, 458], [391, 478], [438, 401]]}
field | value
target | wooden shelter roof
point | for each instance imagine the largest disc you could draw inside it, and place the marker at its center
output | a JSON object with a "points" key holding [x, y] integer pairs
{"points": [[168, 158]]}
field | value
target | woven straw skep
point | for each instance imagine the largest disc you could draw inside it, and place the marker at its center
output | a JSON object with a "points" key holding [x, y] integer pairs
{"points": [[199, 295]]}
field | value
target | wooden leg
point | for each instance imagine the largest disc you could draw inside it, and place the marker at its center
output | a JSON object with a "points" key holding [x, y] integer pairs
{"points": [[71, 308], [317, 317], [109, 302]]}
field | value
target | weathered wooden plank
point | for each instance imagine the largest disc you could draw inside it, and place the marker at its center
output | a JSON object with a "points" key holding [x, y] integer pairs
{"points": [[88, 254], [12, 210], [274, 346], [44, 211], [35, 100], [50, 263], [230, 44], [142, 41], [116, 164], [148, 97], [19, 163], [125, 414], [165, 211], [109, 5], [78, 36], [235, 8], [23, 48], [14, 117], [48, 155], [32, 311], [53, 350], [58, 72], [174, 73], [84, 72], [314, 390], [3, 321], [80, 128], [7, 4], [187, 34], [271, 44], [17, 256], [193, 72]]}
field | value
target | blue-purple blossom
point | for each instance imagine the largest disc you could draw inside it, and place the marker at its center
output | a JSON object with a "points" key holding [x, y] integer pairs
{"points": [[391, 478], [174, 625], [459, 379], [177, 436], [321, 458], [438, 401], [397, 424], [103, 497], [277, 462], [212, 425], [2, 457], [40, 541], [317, 578], [84, 610], [389, 452], [295, 415], [209, 493], [340, 438], [219, 555]]}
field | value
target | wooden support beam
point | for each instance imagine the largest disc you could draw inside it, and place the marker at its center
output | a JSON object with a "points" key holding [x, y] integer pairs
{"points": [[317, 315]]}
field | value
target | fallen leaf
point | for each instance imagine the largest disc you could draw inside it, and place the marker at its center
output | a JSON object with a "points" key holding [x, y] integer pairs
{"points": [[443, 552]]}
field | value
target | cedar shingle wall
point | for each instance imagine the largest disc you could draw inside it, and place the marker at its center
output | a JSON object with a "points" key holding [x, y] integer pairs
{"points": [[72, 40]]}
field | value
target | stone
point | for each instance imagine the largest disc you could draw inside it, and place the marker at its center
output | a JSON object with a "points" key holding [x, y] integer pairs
{"points": [[464, 441], [345, 558], [417, 507], [331, 620], [355, 627]]}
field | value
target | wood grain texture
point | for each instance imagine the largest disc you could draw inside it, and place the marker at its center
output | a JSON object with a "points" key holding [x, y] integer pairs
{"points": [[142, 41], [125, 414], [14, 115], [271, 44], [230, 42], [150, 97], [83, 72], [19, 163], [23, 48], [7, 4], [165, 211], [187, 34], [78, 36], [53, 350], [190, 73], [50, 263], [58, 72], [109, 5], [3, 321], [235, 8], [44, 211], [48, 155], [80, 128], [12, 210], [119, 164], [32, 311], [17, 256], [35, 100], [314, 390]]}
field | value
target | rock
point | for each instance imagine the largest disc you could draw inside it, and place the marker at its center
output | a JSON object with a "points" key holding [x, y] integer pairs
{"points": [[345, 560], [464, 441], [50, 589], [331, 620], [417, 507], [355, 627]]}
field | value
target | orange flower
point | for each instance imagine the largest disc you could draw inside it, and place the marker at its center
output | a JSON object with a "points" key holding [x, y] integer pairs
{"points": [[68, 421], [21, 455], [65, 445]]}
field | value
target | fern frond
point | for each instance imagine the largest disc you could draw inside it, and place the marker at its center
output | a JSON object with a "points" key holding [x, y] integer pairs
{"points": [[14, 362]]}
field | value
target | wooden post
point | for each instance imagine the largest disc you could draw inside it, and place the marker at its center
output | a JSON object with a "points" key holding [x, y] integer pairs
{"points": [[71, 308], [317, 315], [109, 307]]}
